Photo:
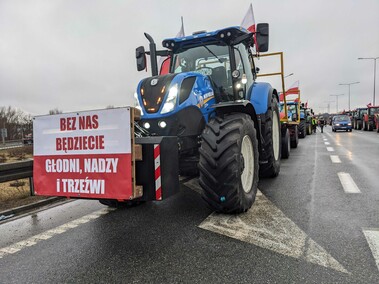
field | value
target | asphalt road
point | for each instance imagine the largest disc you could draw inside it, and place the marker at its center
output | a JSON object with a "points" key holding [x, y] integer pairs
{"points": [[317, 222]]}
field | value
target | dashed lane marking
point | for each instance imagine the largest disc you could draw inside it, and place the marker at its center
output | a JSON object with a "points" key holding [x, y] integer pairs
{"points": [[372, 237], [16, 247], [266, 226], [348, 184], [326, 143], [330, 149], [335, 159]]}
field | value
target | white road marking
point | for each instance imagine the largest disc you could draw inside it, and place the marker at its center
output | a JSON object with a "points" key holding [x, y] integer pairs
{"points": [[327, 143], [266, 226], [335, 159], [16, 247], [330, 149], [372, 237], [325, 139], [348, 183]]}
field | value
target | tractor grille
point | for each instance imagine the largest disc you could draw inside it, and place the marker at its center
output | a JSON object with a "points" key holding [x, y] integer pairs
{"points": [[153, 91]]}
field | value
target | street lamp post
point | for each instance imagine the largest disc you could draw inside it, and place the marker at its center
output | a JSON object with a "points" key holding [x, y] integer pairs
{"points": [[337, 101], [329, 105], [348, 84], [372, 58]]}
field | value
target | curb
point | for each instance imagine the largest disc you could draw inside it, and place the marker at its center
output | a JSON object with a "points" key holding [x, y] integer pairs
{"points": [[27, 207]]}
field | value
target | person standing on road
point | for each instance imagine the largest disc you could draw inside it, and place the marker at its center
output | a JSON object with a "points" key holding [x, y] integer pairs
{"points": [[314, 124], [321, 123]]}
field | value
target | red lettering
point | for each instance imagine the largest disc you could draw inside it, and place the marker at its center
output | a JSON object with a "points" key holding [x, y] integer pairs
{"points": [[58, 143], [95, 123], [62, 124], [101, 142], [81, 122], [68, 123]]}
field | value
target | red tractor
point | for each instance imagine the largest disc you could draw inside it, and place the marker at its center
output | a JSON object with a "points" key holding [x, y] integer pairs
{"points": [[370, 119]]}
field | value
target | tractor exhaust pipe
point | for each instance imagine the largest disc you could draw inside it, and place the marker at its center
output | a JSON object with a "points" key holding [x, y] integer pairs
{"points": [[153, 55]]}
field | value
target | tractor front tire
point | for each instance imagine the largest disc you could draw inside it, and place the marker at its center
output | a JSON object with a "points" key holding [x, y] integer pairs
{"points": [[272, 139], [228, 163]]}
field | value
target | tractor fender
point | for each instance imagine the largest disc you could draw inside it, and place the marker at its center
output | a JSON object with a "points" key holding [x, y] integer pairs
{"points": [[260, 96]]}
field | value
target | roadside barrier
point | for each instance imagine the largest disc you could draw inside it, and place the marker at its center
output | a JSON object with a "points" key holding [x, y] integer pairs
{"points": [[17, 170]]}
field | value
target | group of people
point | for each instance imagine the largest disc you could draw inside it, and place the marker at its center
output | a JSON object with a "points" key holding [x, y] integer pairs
{"points": [[318, 121]]}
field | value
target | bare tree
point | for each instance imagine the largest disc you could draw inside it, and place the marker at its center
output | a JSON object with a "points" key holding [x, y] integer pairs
{"points": [[55, 111], [16, 122]]}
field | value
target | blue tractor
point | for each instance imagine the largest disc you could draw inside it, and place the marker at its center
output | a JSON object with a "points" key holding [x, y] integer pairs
{"points": [[226, 123]]}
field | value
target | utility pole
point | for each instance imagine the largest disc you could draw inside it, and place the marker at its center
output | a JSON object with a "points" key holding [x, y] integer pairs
{"points": [[348, 84], [372, 58]]}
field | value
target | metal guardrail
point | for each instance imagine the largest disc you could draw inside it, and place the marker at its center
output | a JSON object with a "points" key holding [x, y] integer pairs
{"points": [[17, 170]]}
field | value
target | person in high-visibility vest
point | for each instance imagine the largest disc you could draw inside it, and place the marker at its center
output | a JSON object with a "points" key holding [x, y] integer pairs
{"points": [[314, 124]]}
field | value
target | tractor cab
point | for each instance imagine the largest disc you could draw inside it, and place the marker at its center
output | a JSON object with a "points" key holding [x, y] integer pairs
{"points": [[224, 57]]}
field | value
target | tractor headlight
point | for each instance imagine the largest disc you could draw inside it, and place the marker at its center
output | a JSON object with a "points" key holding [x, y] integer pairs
{"points": [[171, 99], [137, 104], [146, 125], [162, 124]]}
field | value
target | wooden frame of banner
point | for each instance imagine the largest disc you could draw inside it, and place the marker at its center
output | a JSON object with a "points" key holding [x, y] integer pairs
{"points": [[135, 115]]}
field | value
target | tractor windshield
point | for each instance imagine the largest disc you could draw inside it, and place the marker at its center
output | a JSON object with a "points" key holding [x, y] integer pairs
{"points": [[210, 60], [374, 110]]}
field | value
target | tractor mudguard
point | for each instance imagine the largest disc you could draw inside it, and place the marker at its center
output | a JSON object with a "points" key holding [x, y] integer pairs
{"points": [[260, 96]]}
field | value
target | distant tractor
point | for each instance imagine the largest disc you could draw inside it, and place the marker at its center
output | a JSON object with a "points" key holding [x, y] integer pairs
{"points": [[370, 118], [226, 123], [358, 118]]}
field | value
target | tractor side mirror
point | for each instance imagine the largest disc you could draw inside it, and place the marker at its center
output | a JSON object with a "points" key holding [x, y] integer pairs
{"points": [[141, 58], [262, 37]]}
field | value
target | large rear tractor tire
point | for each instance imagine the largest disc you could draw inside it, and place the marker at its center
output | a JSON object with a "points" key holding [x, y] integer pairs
{"points": [[272, 138], [302, 131], [286, 144], [364, 125], [295, 138], [228, 163]]}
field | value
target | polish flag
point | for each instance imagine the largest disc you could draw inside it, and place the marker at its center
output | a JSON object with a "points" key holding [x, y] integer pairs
{"points": [[369, 105], [294, 89], [281, 97], [248, 23], [165, 61]]}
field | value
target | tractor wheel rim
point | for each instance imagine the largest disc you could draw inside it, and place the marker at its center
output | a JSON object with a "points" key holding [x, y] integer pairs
{"points": [[275, 135], [247, 175]]}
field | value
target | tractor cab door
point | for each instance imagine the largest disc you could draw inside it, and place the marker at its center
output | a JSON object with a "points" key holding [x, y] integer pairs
{"points": [[243, 75]]}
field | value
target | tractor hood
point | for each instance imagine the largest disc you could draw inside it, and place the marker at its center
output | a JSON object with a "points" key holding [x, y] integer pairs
{"points": [[163, 95]]}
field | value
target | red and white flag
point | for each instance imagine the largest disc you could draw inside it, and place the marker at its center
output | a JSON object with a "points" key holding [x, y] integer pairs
{"points": [[294, 89], [248, 23], [369, 105], [165, 61]]}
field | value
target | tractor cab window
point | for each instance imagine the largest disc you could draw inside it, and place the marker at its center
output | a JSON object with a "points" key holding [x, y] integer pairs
{"points": [[374, 110], [291, 110], [209, 60]]}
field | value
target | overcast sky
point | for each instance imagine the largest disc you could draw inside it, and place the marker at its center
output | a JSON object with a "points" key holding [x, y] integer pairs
{"points": [[79, 54]]}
